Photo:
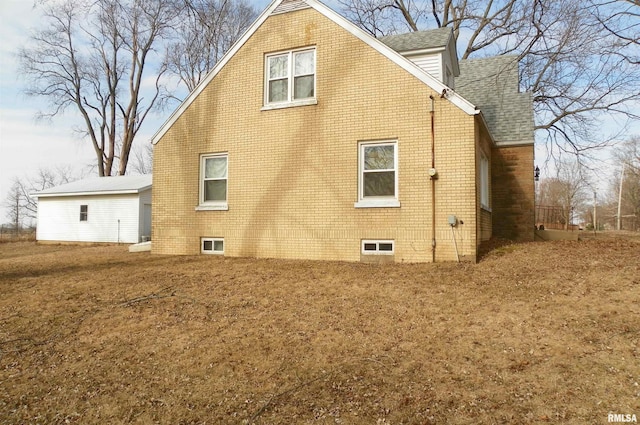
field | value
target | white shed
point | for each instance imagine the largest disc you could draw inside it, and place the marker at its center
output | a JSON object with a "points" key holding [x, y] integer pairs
{"points": [[102, 209]]}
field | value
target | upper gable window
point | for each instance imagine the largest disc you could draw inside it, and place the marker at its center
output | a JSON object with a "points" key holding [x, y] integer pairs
{"points": [[290, 78]]}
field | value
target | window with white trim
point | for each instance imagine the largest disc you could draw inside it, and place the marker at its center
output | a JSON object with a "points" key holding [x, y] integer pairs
{"points": [[213, 182], [378, 174], [290, 78], [484, 182], [378, 247], [212, 246]]}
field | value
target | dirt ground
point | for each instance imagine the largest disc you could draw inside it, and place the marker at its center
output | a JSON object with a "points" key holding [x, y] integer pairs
{"points": [[545, 332]]}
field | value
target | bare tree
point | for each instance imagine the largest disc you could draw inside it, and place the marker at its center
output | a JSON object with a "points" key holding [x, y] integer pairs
{"points": [[14, 204], [567, 191], [384, 17], [109, 61], [621, 18], [21, 205], [627, 154], [576, 57], [206, 30], [142, 159], [95, 56]]}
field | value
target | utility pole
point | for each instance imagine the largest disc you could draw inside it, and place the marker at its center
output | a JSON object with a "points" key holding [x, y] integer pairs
{"points": [[620, 198], [595, 210]]}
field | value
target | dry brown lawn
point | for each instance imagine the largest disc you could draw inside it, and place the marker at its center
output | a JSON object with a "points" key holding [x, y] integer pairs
{"points": [[534, 333]]}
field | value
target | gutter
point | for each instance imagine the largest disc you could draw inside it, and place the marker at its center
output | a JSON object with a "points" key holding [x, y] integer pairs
{"points": [[102, 192]]}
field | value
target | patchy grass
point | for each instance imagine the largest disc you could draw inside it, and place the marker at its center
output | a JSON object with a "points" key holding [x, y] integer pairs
{"points": [[534, 333]]}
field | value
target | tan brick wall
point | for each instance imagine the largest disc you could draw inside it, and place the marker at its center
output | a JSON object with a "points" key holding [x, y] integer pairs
{"points": [[293, 173], [513, 192]]}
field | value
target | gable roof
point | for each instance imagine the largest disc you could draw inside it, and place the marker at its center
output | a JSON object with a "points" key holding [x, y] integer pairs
{"points": [[492, 84], [418, 40], [425, 42], [285, 6], [100, 186]]}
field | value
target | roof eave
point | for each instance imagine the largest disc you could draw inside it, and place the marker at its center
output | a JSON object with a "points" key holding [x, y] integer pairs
{"points": [[515, 143], [486, 126], [90, 193], [421, 51]]}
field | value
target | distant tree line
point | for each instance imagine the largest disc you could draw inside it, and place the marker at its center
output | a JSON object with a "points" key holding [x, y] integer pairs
{"points": [[21, 207], [572, 190]]}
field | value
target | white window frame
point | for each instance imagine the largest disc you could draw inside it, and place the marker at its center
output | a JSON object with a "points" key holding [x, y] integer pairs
{"points": [[377, 243], [211, 205], [484, 182], [213, 250], [377, 201], [290, 80]]}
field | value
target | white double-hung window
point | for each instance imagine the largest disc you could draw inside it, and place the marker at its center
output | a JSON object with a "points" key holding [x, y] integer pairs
{"points": [[290, 78], [213, 182], [378, 175]]}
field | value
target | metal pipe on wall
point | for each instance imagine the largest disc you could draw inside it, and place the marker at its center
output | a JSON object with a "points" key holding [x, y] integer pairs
{"points": [[433, 180]]}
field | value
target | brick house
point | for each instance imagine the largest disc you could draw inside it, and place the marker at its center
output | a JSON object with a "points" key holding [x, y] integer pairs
{"points": [[311, 139]]}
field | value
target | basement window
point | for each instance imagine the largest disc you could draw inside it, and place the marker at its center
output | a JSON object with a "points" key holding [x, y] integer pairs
{"points": [[84, 212], [212, 246], [378, 247]]}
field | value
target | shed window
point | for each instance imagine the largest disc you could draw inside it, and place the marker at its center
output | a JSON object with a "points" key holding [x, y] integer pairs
{"points": [[84, 212]]}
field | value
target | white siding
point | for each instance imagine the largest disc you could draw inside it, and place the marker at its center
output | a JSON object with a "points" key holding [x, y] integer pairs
{"points": [[111, 218], [431, 63]]}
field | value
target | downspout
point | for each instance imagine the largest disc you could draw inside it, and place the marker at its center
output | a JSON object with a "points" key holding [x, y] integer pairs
{"points": [[433, 177]]}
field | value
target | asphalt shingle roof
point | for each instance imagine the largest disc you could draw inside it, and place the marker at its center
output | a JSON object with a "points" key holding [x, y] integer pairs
{"points": [[418, 40], [492, 85], [116, 184]]}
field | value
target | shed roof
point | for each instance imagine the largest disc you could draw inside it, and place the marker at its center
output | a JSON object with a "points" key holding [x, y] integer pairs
{"points": [[492, 84], [100, 186], [418, 40]]}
